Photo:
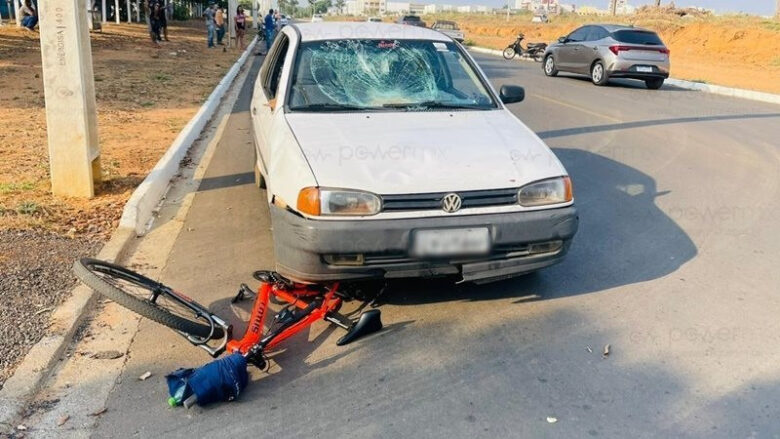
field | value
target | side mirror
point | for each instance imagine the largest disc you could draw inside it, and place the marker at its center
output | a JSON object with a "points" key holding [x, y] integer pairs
{"points": [[511, 93], [563, 40]]}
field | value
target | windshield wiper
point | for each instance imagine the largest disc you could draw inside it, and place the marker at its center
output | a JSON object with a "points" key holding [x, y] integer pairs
{"points": [[435, 104], [330, 107]]}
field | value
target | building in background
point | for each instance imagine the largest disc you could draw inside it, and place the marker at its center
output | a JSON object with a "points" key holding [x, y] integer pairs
{"points": [[539, 6]]}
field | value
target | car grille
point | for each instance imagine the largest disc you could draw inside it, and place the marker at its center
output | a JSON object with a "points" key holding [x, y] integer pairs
{"points": [[431, 201]]}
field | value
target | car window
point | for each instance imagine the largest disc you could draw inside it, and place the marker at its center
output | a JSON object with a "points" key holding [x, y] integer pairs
{"points": [[579, 34], [273, 72], [385, 75], [596, 33], [637, 37]]}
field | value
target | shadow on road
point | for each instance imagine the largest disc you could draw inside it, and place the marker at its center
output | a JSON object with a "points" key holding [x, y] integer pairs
{"points": [[624, 238]]}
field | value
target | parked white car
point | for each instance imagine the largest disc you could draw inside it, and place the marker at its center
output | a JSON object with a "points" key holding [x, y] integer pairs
{"points": [[387, 153]]}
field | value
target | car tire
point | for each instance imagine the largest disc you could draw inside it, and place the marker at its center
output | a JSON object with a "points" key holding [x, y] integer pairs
{"points": [[509, 52], [259, 179], [654, 83], [549, 66], [598, 74]]}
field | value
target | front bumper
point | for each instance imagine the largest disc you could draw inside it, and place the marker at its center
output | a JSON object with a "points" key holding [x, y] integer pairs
{"points": [[301, 245]]}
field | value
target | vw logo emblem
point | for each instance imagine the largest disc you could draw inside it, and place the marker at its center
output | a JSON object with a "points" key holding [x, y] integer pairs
{"points": [[451, 203]]}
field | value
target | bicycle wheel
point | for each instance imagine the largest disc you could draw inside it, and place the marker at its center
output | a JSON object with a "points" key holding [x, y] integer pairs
{"points": [[133, 291]]}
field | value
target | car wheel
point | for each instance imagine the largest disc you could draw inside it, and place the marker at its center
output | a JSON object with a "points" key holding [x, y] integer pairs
{"points": [[549, 66], [655, 83], [598, 74], [259, 179]]}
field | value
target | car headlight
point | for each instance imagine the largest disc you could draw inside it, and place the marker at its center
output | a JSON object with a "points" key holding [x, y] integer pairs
{"points": [[552, 191], [319, 201]]}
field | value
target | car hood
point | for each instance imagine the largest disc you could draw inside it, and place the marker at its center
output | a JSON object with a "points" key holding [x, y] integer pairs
{"points": [[420, 152]]}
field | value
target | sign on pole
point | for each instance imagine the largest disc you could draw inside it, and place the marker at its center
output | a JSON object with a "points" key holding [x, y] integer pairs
{"points": [[69, 91]]}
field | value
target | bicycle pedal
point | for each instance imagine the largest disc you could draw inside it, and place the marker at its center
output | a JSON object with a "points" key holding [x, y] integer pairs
{"points": [[284, 316], [243, 292]]}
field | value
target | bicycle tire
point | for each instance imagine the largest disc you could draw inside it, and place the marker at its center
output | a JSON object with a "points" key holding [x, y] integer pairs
{"points": [[143, 307]]}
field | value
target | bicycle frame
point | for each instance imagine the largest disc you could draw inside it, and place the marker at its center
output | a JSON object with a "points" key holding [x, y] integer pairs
{"points": [[310, 303], [310, 311]]}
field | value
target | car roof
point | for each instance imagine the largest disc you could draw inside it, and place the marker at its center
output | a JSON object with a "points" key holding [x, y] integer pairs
{"points": [[616, 27], [335, 30]]}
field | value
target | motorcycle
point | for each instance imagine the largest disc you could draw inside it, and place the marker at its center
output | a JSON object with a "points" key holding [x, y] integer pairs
{"points": [[532, 50]]}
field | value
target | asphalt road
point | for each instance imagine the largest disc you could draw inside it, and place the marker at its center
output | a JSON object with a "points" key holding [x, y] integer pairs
{"points": [[674, 266]]}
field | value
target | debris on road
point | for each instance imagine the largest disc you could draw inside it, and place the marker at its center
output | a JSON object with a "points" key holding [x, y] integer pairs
{"points": [[145, 376], [605, 354], [99, 412], [107, 355], [587, 348], [62, 420], [552, 420], [21, 427]]}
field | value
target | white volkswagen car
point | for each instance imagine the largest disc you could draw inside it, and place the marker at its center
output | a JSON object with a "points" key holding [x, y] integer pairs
{"points": [[386, 153]]}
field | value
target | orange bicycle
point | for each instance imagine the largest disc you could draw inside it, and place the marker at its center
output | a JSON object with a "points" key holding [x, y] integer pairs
{"points": [[304, 304]]}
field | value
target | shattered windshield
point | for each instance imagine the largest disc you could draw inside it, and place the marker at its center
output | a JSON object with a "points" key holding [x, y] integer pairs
{"points": [[364, 75]]}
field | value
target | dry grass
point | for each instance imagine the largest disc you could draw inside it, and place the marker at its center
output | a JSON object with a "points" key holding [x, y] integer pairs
{"points": [[144, 95]]}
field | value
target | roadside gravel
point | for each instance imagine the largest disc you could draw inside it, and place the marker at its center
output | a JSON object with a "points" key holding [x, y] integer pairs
{"points": [[35, 277]]}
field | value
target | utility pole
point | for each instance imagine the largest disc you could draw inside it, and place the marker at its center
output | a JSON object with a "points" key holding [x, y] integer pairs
{"points": [[507, 10], [777, 9], [613, 7], [16, 13], [69, 91], [657, 3]]}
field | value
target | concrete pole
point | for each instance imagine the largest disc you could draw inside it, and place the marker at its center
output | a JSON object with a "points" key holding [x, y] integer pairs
{"points": [[16, 13], [104, 12], [138, 11], [165, 11], [129, 12], [69, 90], [88, 4], [116, 11], [254, 14], [232, 6]]}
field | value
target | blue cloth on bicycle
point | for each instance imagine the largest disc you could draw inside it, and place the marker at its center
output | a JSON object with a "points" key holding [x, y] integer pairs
{"points": [[221, 380]]}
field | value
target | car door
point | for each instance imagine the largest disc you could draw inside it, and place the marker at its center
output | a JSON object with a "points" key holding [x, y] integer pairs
{"points": [[264, 100], [569, 50], [588, 52]]}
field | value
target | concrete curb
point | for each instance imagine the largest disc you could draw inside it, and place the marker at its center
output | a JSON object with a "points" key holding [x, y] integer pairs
{"points": [[139, 210], [681, 83], [65, 320]]}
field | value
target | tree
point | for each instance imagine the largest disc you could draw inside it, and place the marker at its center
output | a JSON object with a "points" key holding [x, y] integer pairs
{"points": [[293, 5], [657, 3], [340, 5]]}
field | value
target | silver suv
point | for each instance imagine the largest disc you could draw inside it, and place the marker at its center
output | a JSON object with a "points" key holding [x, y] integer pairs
{"points": [[605, 51]]}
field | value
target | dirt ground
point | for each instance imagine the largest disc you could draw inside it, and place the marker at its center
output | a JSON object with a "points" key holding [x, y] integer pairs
{"points": [[734, 51], [145, 96]]}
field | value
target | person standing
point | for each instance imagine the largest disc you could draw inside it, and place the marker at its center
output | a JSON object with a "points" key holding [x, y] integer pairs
{"points": [[155, 19], [219, 19], [167, 9], [240, 27], [269, 26], [208, 14]]}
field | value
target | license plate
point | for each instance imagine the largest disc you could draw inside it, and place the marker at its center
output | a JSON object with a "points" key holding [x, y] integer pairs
{"points": [[451, 242], [644, 69]]}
